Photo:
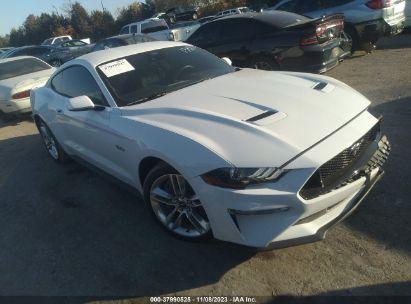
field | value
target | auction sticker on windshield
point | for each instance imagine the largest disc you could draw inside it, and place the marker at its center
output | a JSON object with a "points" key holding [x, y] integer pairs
{"points": [[116, 68]]}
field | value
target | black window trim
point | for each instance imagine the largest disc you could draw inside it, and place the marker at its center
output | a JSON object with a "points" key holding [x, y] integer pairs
{"points": [[82, 66]]}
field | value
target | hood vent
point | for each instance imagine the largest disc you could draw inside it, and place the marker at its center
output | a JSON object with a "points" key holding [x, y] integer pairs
{"points": [[324, 87], [262, 116], [319, 86]]}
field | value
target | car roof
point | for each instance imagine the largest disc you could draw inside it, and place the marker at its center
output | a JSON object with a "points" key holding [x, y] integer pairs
{"points": [[99, 57], [17, 58], [276, 18]]}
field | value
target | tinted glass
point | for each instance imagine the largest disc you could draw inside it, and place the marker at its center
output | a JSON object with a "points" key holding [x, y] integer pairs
{"points": [[124, 30], [39, 51], [162, 71], [133, 29], [237, 29], [77, 81], [205, 35], [21, 67]]}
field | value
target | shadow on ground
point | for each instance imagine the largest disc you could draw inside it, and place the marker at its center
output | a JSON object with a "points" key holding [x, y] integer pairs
{"points": [[67, 231], [395, 42], [385, 214]]}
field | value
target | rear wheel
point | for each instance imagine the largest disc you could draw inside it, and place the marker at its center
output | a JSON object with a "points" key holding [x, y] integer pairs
{"points": [[51, 144], [264, 63], [352, 36], [175, 205]]}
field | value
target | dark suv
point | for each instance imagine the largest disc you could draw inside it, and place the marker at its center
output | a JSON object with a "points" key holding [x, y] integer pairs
{"points": [[179, 14]]}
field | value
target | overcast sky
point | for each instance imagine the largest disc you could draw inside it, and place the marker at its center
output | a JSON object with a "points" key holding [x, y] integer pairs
{"points": [[15, 12]]}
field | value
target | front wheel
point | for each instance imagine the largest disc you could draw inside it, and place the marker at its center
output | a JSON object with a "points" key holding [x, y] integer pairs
{"points": [[51, 144], [195, 16], [175, 205]]}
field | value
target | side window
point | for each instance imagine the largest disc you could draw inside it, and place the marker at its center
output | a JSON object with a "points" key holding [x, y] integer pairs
{"points": [[133, 29], [124, 30], [39, 51], [205, 35], [23, 52], [77, 81], [57, 83]]}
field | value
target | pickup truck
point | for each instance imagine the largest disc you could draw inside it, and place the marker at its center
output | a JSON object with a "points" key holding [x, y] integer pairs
{"points": [[159, 30], [61, 39]]}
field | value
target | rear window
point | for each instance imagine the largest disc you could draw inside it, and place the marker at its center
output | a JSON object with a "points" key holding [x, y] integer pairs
{"points": [[20, 67], [154, 26]]}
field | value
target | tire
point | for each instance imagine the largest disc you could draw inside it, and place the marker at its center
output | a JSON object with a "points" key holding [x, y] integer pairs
{"points": [[182, 215], [265, 63], [56, 63], [195, 16], [346, 43], [352, 34], [53, 148]]}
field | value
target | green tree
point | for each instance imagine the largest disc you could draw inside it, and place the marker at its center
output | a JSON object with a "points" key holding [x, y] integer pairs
{"points": [[136, 11], [102, 24], [80, 20]]}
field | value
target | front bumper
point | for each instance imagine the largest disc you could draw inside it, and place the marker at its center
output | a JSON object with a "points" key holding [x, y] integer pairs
{"points": [[321, 233], [16, 106], [373, 30], [275, 215]]}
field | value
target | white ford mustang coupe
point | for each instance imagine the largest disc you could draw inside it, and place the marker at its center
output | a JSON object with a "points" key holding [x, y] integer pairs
{"points": [[263, 159], [18, 76]]}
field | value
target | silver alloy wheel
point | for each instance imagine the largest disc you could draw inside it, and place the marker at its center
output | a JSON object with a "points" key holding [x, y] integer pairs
{"points": [[177, 207], [49, 141]]}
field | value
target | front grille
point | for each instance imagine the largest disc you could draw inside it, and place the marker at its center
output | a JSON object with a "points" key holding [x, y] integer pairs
{"points": [[343, 168]]}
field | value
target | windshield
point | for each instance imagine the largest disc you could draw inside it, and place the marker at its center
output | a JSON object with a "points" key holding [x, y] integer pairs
{"points": [[20, 67], [144, 76]]}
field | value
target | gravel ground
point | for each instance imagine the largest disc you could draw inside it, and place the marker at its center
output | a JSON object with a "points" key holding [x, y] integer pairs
{"points": [[65, 230]]}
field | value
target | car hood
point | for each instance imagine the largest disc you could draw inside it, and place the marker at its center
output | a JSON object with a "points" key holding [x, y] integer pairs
{"points": [[266, 117], [24, 82]]}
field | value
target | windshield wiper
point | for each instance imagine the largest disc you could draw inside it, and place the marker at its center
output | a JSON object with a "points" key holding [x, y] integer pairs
{"points": [[148, 98]]}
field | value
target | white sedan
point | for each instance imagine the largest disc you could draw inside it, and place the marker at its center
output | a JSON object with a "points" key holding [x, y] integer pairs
{"points": [[263, 159], [18, 76]]}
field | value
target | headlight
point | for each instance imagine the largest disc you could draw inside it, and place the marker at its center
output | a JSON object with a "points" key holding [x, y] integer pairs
{"points": [[240, 178]]}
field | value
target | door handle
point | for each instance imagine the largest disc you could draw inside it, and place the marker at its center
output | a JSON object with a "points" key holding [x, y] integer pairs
{"points": [[59, 111]]}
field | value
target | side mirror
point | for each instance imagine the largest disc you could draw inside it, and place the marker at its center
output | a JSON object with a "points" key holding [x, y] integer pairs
{"points": [[81, 103], [228, 60]]}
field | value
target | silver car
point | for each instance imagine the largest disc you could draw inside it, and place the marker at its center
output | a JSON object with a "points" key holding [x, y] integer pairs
{"points": [[366, 20]]}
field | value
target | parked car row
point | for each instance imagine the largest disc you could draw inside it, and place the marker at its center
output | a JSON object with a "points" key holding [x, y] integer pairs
{"points": [[18, 76], [365, 20], [274, 41]]}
